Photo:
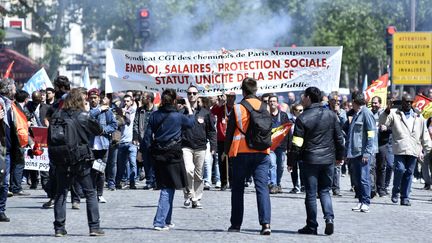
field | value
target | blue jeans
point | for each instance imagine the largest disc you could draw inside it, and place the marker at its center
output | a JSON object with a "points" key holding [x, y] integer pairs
{"points": [[5, 187], [16, 171], [336, 178], [276, 167], [111, 167], [389, 166], [165, 206], [318, 178], [361, 178], [127, 153], [148, 168], [256, 164], [403, 173]]}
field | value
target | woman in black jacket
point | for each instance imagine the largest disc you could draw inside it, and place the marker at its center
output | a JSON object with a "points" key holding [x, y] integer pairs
{"points": [[163, 138], [79, 171]]}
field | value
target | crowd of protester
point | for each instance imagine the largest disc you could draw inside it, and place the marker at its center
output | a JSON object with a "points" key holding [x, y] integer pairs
{"points": [[138, 132]]}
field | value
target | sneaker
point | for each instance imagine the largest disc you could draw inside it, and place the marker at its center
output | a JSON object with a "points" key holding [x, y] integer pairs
{"points": [[10, 194], [273, 190], [21, 193], [187, 202], [357, 208], [329, 227], [111, 188], [364, 208], [196, 204], [265, 230], [49, 204], [157, 228], [97, 232], [76, 205], [101, 199], [234, 228], [141, 176], [60, 233], [279, 189], [171, 225], [247, 184], [218, 185], [294, 191], [307, 231], [132, 187], [206, 186], [405, 203], [223, 188], [394, 199], [4, 218], [147, 187]]}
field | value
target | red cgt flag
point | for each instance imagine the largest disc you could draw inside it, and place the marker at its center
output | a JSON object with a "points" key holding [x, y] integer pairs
{"points": [[9, 70], [424, 105], [279, 133]]}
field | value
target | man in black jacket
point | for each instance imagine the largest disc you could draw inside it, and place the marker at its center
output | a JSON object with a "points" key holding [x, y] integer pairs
{"points": [[318, 140], [139, 127], [194, 145]]}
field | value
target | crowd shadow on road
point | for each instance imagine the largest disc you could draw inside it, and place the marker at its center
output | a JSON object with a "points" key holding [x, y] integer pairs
{"points": [[128, 228], [35, 235], [27, 207], [145, 206]]}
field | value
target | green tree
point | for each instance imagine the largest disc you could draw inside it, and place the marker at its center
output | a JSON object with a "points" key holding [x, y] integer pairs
{"points": [[52, 22]]}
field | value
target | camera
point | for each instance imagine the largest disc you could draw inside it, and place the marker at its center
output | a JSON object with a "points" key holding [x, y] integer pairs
{"points": [[181, 101]]}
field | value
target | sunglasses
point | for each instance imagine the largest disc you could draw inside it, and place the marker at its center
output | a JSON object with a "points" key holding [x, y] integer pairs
{"points": [[192, 93], [298, 110]]}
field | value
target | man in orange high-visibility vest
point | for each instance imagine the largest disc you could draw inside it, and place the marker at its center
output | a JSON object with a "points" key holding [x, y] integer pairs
{"points": [[247, 161]]}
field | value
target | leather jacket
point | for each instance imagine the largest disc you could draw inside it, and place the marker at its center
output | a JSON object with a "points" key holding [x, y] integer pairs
{"points": [[317, 137]]}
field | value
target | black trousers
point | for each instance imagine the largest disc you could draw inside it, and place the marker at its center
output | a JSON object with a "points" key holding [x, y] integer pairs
{"points": [[87, 179], [224, 168]]}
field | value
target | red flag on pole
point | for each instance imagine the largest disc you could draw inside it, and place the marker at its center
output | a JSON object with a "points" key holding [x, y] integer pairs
{"points": [[8, 70], [279, 133]]}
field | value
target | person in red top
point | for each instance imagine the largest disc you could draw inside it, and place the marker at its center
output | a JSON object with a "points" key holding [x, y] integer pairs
{"points": [[222, 111]]}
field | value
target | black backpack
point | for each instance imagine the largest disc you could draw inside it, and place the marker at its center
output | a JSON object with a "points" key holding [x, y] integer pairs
{"points": [[258, 134], [65, 140]]}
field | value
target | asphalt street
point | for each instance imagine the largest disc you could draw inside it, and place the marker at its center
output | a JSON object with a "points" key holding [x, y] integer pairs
{"points": [[128, 217]]}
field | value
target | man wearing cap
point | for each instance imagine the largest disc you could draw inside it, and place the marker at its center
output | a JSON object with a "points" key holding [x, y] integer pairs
{"points": [[100, 144], [222, 111], [411, 140]]}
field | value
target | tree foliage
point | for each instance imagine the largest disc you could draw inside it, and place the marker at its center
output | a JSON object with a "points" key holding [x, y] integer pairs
{"points": [[358, 26]]}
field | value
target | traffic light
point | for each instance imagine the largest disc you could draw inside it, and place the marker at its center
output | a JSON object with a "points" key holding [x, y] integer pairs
{"points": [[144, 23], [390, 30]]}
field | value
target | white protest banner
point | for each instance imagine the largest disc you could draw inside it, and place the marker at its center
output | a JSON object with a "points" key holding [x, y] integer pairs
{"points": [[37, 162], [214, 72]]}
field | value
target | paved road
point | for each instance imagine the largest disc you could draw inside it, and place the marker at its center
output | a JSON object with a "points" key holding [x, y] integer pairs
{"points": [[128, 216]]}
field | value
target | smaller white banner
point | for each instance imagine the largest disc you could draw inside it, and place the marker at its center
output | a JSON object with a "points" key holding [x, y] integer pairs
{"points": [[37, 162]]}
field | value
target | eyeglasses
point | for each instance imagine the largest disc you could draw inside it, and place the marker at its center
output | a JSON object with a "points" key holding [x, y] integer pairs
{"points": [[192, 93]]}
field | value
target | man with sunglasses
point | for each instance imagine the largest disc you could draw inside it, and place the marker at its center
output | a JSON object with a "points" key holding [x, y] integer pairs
{"points": [[194, 145], [411, 141]]}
